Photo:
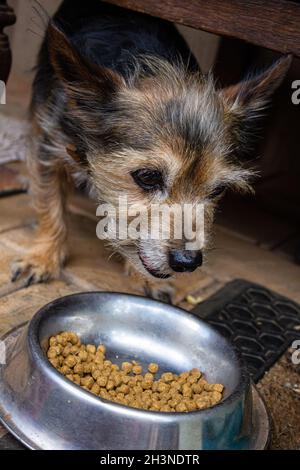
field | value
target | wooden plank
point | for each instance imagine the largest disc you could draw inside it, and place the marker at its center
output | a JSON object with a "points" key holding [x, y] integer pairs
{"points": [[274, 24], [236, 258], [3, 431], [253, 223], [20, 306], [16, 211]]}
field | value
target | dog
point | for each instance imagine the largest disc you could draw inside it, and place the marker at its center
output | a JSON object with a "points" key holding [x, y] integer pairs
{"points": [[120, 104]]}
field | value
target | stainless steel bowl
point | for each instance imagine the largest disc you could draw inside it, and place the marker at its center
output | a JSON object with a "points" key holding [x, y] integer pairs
{"points": [[46, 411]]}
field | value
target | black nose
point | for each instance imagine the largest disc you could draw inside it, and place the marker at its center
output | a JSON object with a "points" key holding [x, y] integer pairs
{"points": [[185, 260]]}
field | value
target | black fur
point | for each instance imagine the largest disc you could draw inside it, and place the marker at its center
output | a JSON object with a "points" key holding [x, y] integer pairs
{"points": [[110, 36]]}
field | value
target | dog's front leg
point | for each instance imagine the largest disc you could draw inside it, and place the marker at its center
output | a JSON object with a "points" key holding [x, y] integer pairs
{"points": [[44, 260]]}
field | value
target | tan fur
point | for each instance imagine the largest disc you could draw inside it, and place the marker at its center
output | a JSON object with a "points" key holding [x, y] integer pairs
{"points": [[189, 131], [44, 260]]}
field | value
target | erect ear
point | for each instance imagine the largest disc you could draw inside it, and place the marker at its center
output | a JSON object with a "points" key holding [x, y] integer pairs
{"points": [[78, 75], [246, 101], [253, 93]]}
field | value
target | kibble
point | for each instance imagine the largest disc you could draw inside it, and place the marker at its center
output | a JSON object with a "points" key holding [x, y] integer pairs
{"points": [[87, 366]]}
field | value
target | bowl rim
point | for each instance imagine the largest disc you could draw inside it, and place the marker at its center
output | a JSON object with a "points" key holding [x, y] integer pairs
{"points": [[37, 352]]}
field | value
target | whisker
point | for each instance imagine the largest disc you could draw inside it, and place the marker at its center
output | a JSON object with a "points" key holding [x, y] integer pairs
{"points": [[41, 12], [35, 33]]}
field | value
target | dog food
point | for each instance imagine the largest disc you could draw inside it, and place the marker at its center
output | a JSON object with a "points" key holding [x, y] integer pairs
{"points": [[87, 366]]}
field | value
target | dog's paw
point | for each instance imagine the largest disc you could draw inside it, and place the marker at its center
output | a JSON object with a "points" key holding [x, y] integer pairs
{"points": [[36, 267], [165, 293]]}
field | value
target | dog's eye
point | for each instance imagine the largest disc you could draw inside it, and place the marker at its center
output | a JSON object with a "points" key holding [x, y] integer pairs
{"points": [[218, 191], [148, 180]]}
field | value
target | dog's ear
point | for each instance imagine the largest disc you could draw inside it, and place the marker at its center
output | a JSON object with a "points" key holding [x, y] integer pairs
{"points": [[254, 92], [78, 75], [246, 101]]}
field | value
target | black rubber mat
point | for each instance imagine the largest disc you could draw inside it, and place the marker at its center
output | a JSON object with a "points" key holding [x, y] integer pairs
{"points": [[260, 323]]}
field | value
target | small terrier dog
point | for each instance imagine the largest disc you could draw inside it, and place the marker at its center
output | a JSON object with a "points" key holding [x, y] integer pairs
{"points": [[119, 103]]}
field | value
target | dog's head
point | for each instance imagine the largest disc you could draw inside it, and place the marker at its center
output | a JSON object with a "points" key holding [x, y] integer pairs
{"points": [[161, 135]]}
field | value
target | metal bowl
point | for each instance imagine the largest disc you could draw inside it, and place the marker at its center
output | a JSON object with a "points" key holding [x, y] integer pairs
{"points": [[46, 411]]}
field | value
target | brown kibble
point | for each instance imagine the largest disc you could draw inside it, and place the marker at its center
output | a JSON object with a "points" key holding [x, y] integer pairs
{"points": [[99, 360], [166, 408], [184, 375], [163, 387], [65, 370], [66, 351], [196, 388], [167, 377], [104, 394], [196, 373], [117, 378], [106, 371], [96, 373], [85, 365], [83, 355], [173, 402], [70, 337], [126, 379], [155, 406], [101, 348], [91, 349], [153, 368], [73, 338], [55, 362], [203, 402], [70, 361], [175, 386], [127, 367], [218, 388], [76, 379], [110, 385], [146, 384], [123, 389], [52, 341], [52, 352], [192, 379], [137, 389], [191, 405], [102, 381], [95, 389], [208, 387], [87, 381], [216, 397], [186, 391], [137, 369], [61, 340], [149, 376], [181, 407], [79, 369]]}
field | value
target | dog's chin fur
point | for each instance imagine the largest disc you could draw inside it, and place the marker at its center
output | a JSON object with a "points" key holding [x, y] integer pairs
{"points": [[102, 113]]}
